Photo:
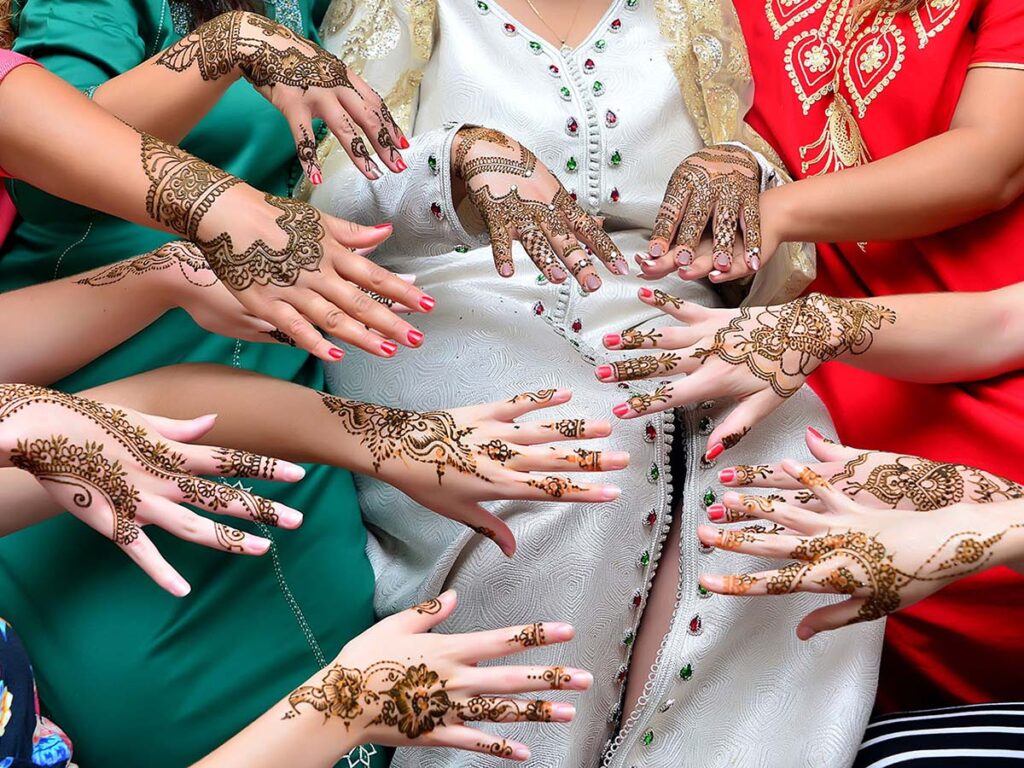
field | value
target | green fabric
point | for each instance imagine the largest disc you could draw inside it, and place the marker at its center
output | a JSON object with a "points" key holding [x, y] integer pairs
{"points": [[136, 677]]}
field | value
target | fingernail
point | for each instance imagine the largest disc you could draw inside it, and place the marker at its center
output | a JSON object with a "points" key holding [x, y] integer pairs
{"points": [[582, 680], [604, 372], [610, 493], [388, 348], [400, 164], [723, 261], [684, 258], [815, 433], [621, 266], [716, 513], [562, 711], [716, 450], [612, 339], [258, 546], [520, 753], [180, 587], [657, 250], [557, 275], [316, 178], [288, 518], [427, 303], [727, 475], [336, 353], [714, 273], [593, 283], [505, 270], [290, 473], [646, 293], [415, 337], [620, 410], [403, 143], [755, 261], [386, 225]]}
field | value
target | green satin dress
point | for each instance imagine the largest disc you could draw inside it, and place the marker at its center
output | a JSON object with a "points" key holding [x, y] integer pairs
{"points": [[135, 676]]}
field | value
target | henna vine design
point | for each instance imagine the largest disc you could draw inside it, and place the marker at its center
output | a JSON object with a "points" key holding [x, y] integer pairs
{"points": [[747, 474], [730, 441], [541, 396], [645, 366], [556, 487], [497, 749], [571, 428], [230, 539], [643, 402], [178, 254], [661, 299], [556, 677], [783, 345], [430, 438], [430, 607], [531, 636], [634, 339], [306, 152]]}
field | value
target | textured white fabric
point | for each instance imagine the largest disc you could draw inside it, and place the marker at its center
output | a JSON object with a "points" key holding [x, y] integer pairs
{"points": [[757, 698]]}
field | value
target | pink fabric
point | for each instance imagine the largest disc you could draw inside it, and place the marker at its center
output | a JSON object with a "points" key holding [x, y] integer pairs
{"points": [[9, 60]]}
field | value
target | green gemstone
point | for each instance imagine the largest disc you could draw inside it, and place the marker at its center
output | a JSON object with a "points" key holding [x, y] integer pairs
{"points": [[709, 498], [571, 164], [601, 44], [648, 737], [541, 279], [534, 46], [462, 249], [702, 590], [705, 424], [566, 93], [480, 4], [432, 163], [628, 639], [655, 472], [645, 559], [598, 87], [616, 158], [631, 3], [686, 672]]}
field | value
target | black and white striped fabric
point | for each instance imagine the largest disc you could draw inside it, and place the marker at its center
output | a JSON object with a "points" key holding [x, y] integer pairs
{"points": [[975, 736]]}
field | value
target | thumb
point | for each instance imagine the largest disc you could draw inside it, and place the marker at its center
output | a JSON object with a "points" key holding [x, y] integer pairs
{"points": [[353, 235], [428, 614], [182, 430]]}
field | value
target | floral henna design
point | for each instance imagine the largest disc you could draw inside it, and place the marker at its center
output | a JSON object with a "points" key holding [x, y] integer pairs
{"points": [[469, 137], [645, 366], [430, 607], [642, 403], [230, 539], [739, 585], [730, 441], [244, 464], [783, 345], [634, 339], [556, 487], [735, 538], [588, 461], [749, 474], [177, 254], [571, 428], [542, 396], [217, 497], [263, 265], [430, 438], [556, 677], [498, 451], [306, 152], [531, 636], [493, 710]]}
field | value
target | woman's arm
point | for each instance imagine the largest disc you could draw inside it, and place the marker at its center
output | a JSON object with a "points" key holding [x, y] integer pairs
{"points": [[975, 168]]}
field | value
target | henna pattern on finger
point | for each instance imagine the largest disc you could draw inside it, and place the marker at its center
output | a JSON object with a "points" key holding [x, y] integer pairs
{"points": [[496, 749], [571, 428], [811, 479], [383, 300], [739, 585], [430, 607], [236, 463], [229, 539], [556, 487], [730, 441], [747, 474], [588, 461], [645, 366], [281, 337], [305, 149], [641, 403], [542, 396], [483, 709], [485, 532], [530, 636], [177, 254], [498, 451], [634, 339], [661, 299], [556, 677]]}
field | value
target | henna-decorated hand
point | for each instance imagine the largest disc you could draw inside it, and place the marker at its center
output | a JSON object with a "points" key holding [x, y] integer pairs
{"points": [[479, 454], [118, 470], [298, 77], [884, 560], [520, 199], [399, 684], [874, 479], [721, 185], [757, 355]]}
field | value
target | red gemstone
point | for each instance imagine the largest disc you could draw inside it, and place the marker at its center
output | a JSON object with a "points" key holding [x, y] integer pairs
{"points": [[696, 625], [588, 65], [650, 432], [615, 194], [637, 599], [610, 118], [616, 25], [538, 308], [572, 195], [572, 126], [435, 208], [651, 519], [510, 29], [553, 69], [577, 326], [622, 674]]}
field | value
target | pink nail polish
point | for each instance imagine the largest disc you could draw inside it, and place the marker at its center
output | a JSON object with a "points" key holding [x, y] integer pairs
{"points": [[620, 410], [415, 338], [755, 262], [385, 225], [684, 258], [403, 143], [646, 293], [716, 450], [727, 475], [388, 348], [336, 353], [400, 164], [716, 513], [657, 250], [427, 303], [612, 339], [316, 178], [815, 433], [603, 372], [723, 261]]}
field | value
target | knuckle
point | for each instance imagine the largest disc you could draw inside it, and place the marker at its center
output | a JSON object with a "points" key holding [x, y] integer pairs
{"points": [[361, 304], [334, 319], [377, 276], [297, 327]]}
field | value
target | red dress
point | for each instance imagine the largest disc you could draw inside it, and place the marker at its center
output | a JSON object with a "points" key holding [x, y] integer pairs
{"points": [[825, 105]]}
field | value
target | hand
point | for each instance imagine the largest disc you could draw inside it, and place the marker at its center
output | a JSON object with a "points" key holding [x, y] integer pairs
{"points": [[478, 454], [518, 198], [884, 560], [400, 685], [757, 355], [118, 471], [874, 479], [299, 78]]}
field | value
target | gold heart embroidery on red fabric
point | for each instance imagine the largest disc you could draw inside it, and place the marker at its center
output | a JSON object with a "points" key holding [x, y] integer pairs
{"points": [[783, 14], [871, 64], [811, 62], [932, 17]]}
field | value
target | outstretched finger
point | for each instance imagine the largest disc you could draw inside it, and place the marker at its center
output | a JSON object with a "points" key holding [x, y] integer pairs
{"points": [[684, 311], [475, 740], [552, 459], [495, 709], [670, 214], [661, 365], [235, 501], [537, 432], [770, 508], [740, 420], [525, 679], [501, 248], [537, 247], [830, 617], [827, 450], [537, 487], [750, 225], [350, 140], [591, 233], [796, 577], [475, 647], [527, 402], [187, 525], [144, 554], [833, 499], [231, 462], [724, 226], [749, 508], [423, 616], [694, 222], [772, 545], [301, 124], [374, 278], [303, 335]]}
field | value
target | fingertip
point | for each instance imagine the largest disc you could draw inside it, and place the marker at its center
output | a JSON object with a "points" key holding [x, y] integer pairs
{"points": [[559, 632], [707, 535], [258, 545], [179, 587], [290, 473], [609, 492], [793, 468], [732, 499], [563, 395], [288, 518], [804, 632], [520, 752], [562, 711]]}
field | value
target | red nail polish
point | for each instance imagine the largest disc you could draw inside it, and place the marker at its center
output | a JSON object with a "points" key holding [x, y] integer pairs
{"points": [[400, 164], [716, 450], [386, 225], [388, 348], [415, 338], [612, 339], [316, 178], [403, 142], [603, 372], [727, 475], [816, 433], [427, 303], [646, 293], [716, 513], [336, 353], [620, 410]]}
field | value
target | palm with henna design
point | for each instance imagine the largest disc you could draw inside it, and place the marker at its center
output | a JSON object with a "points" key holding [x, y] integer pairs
{"points": [[883, 559], [400, 684], [518, 198], [758, 356], [480, 453], [118, 471]]}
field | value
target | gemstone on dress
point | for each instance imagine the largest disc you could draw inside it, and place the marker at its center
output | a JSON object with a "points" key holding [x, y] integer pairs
{"points": [[482, 6], [611, 119], [703, 591], [571, 165], [616, 25], [462, 249], [696, 625], [707, 405], [706, 425], [535, 46], [632, 4], [510, 29], [644, 560], [628, 637], [572, 127], [577, 325], [553, 70], [573, 196], [565, 93], [650, 432], [616, 158], [588, 66], [432, 164], [615, 195], [648, 737], [651, 518], [686, 672], [638, 597], [538, 308], [709, 497], [600, 45], [598, 87], [541, 279], [653, 473], [704, 550], [435, 208], [621, 674]]}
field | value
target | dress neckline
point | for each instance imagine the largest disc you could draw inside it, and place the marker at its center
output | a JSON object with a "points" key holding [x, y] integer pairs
{"points": [[564, 50]]}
